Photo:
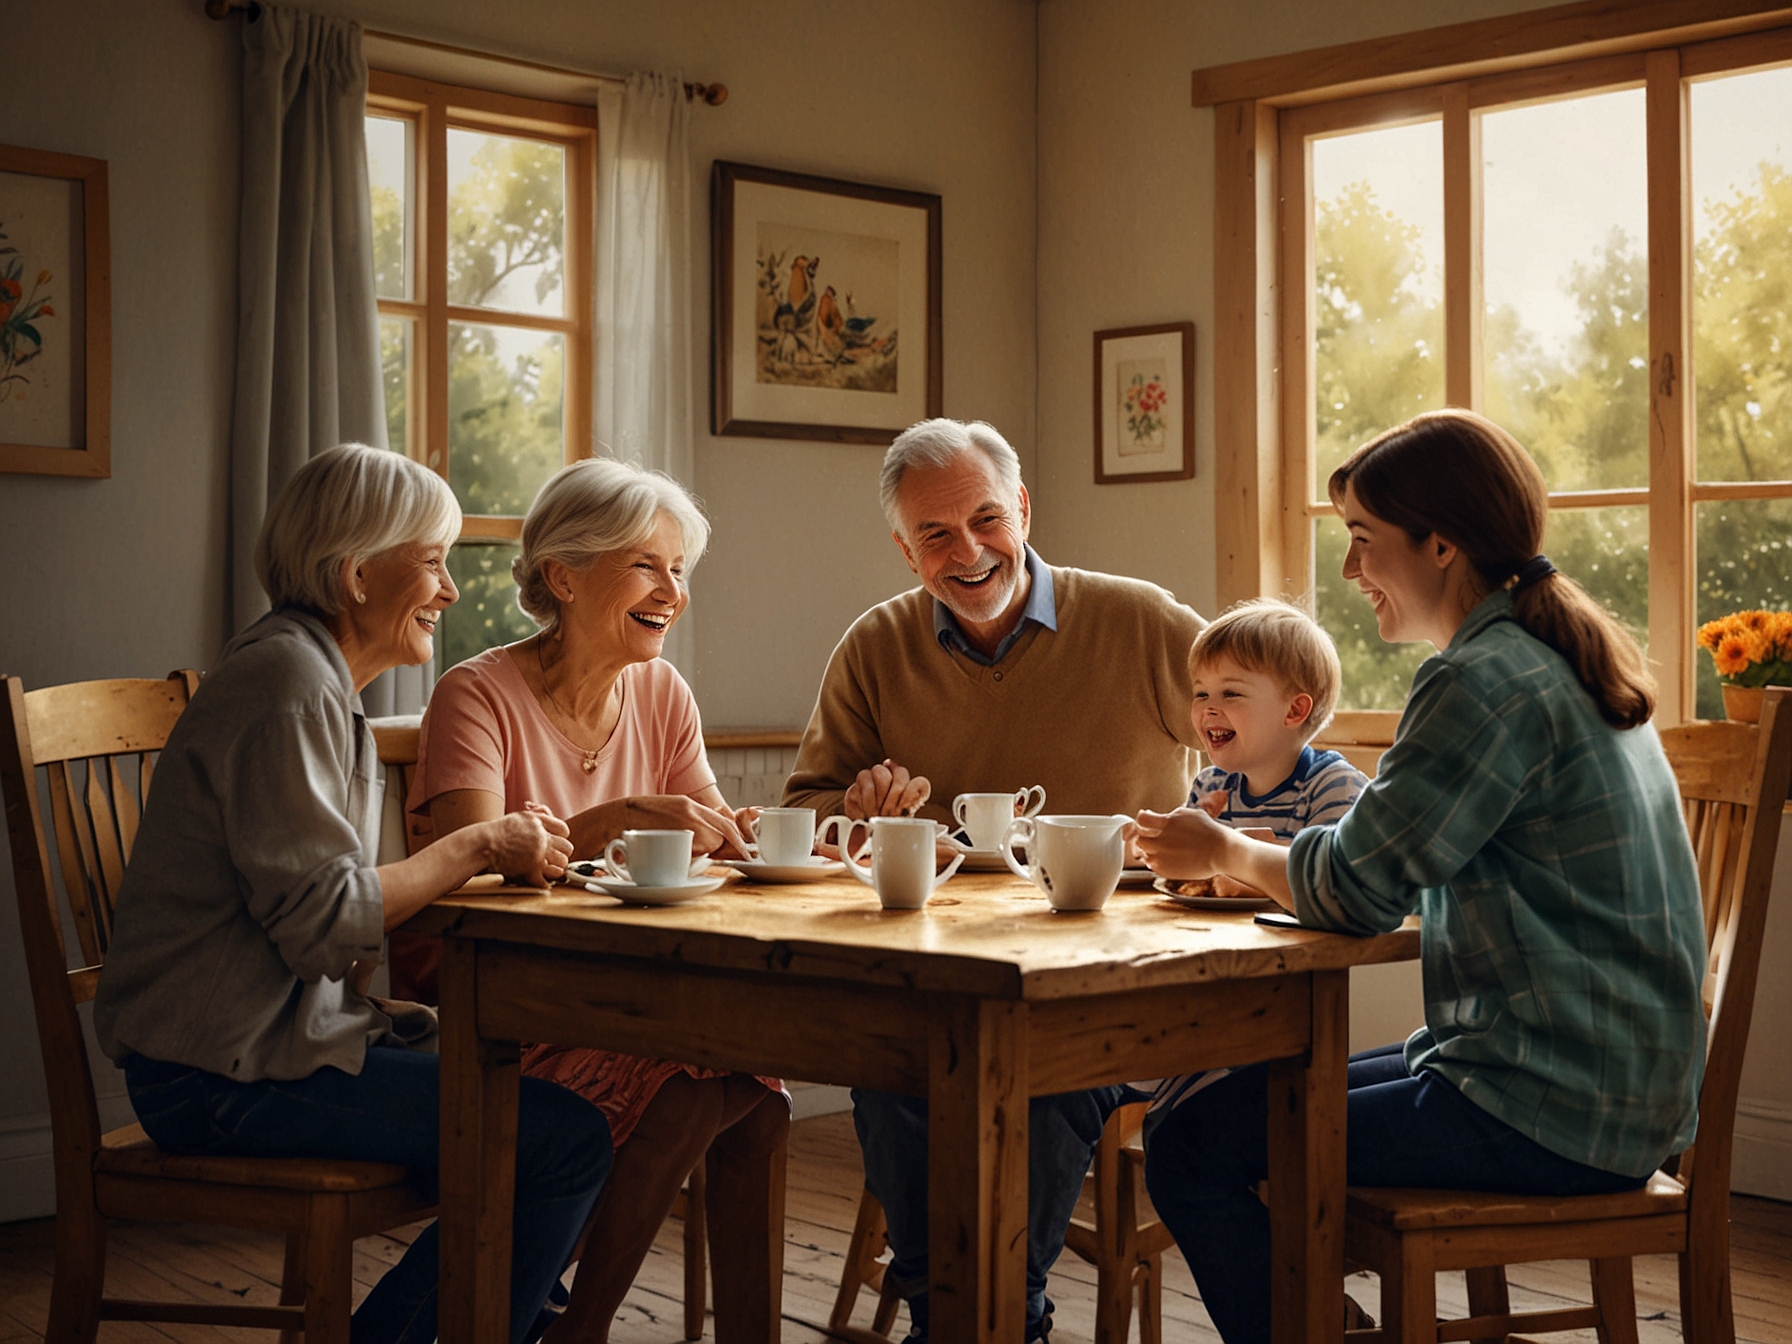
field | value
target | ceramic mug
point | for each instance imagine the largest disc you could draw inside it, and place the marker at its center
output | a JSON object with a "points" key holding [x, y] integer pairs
{"points": [[654, 858], [903, 852], [984, 816], [783, 836], [1075, 861]]}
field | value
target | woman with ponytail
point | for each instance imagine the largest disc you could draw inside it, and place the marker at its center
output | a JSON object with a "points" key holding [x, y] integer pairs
{"points": [[1527, 812]]}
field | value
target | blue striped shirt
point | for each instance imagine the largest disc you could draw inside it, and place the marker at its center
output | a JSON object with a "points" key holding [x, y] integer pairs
{"points": [[1321, 789]]}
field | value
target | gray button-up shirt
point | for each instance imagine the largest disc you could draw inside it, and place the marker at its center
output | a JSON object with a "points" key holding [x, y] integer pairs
{"points": [[251, 890]]}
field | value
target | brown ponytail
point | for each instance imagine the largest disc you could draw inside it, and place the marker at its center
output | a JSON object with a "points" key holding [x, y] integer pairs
{"points": [[1459, 475]]}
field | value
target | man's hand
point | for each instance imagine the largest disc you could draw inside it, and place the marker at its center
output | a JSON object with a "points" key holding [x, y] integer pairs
{"points": [[531, 844], [886, 790]]}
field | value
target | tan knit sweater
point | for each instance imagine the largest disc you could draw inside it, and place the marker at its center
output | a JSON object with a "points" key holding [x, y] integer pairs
{"points": [[1097, 711]]}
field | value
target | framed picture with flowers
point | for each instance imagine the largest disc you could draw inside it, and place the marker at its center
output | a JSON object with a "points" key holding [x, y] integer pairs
{"points": [[55, 314], [1145, 403]]}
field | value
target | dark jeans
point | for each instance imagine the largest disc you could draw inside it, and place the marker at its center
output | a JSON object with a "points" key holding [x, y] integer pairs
{"points": [[1062, 1131], [390, 1112], [1204, 1159]]}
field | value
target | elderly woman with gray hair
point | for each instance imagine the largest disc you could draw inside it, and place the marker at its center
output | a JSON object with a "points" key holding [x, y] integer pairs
{"points": [[229, 995], [587, 719]]}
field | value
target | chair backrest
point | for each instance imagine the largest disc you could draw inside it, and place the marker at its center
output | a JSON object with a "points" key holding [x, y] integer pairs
{"points": [[395, 738], [1734, 779], [96, 742]]}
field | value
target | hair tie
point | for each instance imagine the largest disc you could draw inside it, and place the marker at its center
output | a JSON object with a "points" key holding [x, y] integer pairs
{"points": [[1532, 571]]}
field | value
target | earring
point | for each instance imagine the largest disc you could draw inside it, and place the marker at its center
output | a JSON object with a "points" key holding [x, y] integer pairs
{"points": [[361, 598]]}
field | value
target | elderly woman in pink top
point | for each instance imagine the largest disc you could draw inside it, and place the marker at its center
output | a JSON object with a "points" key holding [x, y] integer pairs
{"points": [[586, 719]]}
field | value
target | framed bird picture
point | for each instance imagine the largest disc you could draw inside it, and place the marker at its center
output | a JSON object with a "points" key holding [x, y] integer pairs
{"points": [[826, 314]]}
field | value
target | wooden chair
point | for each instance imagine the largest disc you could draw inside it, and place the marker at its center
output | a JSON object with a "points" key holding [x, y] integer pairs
{"points": [[1121, 1236], [413, 969], [81, 736], [1115, 1234], [1733, 782]]}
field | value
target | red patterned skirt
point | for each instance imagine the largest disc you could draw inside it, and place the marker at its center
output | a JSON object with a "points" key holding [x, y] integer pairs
{"points": [[619, 1085]]}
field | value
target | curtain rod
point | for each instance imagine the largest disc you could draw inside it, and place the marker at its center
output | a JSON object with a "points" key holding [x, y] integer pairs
{"points": [[713, 94]]}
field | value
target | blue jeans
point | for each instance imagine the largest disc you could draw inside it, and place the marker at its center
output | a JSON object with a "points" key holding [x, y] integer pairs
{"points": [[1204, 1159], [390, 1112], [1062, 1131]]}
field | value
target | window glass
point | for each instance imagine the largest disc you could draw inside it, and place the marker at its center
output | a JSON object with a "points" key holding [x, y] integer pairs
{"points": [[1742, 277], [1566, 283], [504, 414], [1744, 550], [486, 614], [395, 378], [389, 177], [1606, 551], [1378, 316], [506, 223]]}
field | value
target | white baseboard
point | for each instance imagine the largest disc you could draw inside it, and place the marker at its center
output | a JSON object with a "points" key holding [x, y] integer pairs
{"points": [[1761, 1159]]}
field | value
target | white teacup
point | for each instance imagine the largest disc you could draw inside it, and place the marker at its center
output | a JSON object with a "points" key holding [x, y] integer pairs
{"points": [[783, 836], [902, 850], [985, 816], [1075, 861], [654, 858]]}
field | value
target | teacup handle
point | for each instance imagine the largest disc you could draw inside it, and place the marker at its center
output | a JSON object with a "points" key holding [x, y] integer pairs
{"points": [[958, 809], [618, 865], [844, 824], [949, 869], [1030, 802], [1019, 832]]}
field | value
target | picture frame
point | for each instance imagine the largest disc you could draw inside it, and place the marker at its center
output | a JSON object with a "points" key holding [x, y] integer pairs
{"points": [[55, 314], [826, 315], [1145, 403]]}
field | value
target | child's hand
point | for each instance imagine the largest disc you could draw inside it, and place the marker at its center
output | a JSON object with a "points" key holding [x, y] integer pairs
{"points": [[1186, 843]]}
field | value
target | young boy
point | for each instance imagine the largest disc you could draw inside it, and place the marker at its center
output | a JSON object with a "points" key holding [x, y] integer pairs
{"points": [[1266, 679]]}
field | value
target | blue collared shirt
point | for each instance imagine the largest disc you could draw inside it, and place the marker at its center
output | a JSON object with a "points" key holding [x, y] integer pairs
{"points": [[1041, 609]]}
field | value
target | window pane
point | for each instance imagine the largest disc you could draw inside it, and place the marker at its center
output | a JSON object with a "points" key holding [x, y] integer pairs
{"points": [[1742, 275], [487, 614], [1378, 321], [1566, 277], [506, 223], [389, 177], [1606, 551], [395, 378], [1377, 675], [1744, 562], [504, 414]]}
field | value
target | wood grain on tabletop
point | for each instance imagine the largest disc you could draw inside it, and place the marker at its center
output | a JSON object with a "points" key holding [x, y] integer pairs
{"points": [[987, 934]]}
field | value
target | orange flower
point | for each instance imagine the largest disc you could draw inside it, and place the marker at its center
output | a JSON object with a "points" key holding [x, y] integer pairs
{"points": [[1731, 656], [1710, 633], [46, 311]]}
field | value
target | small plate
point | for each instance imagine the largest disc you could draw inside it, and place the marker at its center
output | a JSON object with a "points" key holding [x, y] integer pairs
{"points": [[756, 871], [1166, 887], [1137, 877], [630, 894]]}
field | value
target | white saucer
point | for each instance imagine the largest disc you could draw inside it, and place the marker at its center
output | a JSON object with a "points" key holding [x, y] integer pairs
{"points": [[980, 860], [756, 870], [1137, 877], [630, 894], [1165, 886]]}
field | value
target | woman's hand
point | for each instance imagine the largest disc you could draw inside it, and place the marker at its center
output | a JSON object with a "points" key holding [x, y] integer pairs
{"points": [[886, 790], [711, 828], [532, 844]]}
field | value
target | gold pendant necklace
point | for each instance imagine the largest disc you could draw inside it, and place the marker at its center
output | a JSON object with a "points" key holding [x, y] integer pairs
{"points": [[589, 764]]}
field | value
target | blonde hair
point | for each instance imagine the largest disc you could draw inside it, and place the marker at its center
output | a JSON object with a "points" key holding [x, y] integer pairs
{"points": [[590, 508], [1276, 639], [346, 504], [1462, 477]]}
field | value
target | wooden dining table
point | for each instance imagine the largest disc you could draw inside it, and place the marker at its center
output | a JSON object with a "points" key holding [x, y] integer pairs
{"points": [[982, 999]]}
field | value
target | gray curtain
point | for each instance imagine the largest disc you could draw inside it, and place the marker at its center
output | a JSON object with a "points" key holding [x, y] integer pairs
{"points": [[308, 352]]}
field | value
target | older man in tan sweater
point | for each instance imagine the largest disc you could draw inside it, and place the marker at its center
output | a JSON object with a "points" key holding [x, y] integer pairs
{"points": [[997, 673]]}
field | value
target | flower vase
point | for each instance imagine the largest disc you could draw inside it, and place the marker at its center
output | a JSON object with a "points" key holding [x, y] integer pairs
{"points": [[1743, 703]]}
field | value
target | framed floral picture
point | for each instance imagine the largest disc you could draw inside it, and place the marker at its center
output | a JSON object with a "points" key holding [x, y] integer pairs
{"points": [[826, 309], [55, 314], [1145, 403]]}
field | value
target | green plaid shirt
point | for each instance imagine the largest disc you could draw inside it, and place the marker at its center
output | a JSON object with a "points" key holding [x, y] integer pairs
{"points": [[1563, 944]]}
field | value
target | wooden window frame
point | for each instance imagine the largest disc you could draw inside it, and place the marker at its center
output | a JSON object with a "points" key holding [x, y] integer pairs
{"points": [[1263, 113], [433, 108]]}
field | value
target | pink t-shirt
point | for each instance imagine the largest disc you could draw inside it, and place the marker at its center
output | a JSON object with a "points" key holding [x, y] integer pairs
{"points": [[485, 730]]}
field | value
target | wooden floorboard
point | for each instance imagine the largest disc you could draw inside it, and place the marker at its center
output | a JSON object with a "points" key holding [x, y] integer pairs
{"points": [[220, 1265]]}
